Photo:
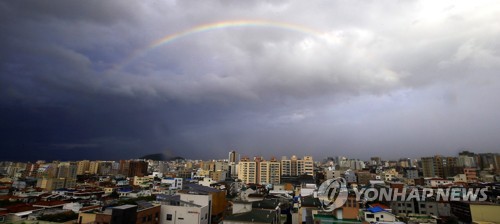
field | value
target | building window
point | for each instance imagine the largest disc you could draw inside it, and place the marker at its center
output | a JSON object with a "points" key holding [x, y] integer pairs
{"points": [[144, 219], [370, 216], [206, 216], [422, 205], [169, 217]]}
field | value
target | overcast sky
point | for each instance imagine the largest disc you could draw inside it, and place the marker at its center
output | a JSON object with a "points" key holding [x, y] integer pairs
{"points": [[322, 78]]}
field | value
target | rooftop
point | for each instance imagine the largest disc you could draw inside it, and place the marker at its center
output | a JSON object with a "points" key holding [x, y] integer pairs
{"points": [[331, 219], [264, 216], [200, 188], [373, 205], [21, 208], [266, 204], [49, 203], [309, 201], [125, 206]]}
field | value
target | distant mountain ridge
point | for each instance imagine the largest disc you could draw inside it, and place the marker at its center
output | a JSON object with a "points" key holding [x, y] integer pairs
{"points": [[161, 157]]}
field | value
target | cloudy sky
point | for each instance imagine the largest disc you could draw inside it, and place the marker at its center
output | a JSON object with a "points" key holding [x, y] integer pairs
{"points": [[84, 79]]}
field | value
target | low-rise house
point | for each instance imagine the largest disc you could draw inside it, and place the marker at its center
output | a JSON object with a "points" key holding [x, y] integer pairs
{"points": [[134, 193], [175, 183], [86, 194], [145, 181], [470, 174], [50, 204], [437, 182], [20, 212], [255, 216], [142, 213], [307, 207], [460, 178], [241, 206], [49, 212], [176, 211], [349, 210], [430, 207], [377, 214], [264, 211], [217, 199]]}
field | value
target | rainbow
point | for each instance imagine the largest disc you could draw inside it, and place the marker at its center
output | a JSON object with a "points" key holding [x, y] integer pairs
{"points": [[215, 26]]}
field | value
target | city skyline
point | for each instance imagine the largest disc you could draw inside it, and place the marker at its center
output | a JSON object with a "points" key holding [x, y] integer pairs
{"points": [[242, 156], [116, 80]]}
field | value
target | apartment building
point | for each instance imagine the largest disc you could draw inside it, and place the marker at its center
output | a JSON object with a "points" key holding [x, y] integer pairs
{"points": [[247, 171], [269, 172]]}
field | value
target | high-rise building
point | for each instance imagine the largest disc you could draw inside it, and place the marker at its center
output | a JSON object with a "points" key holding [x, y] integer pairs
{"points": [[375, 161], [67, 170], [440, 166], [428, 167], [497, 162], [405, 162], [15, 169], [450, 167], [247, 171], [296, 167], [355, 164], [269, 172], [466, 161], [342, 162], [82, 167], [137, 168], [232, 156], [233, 170], [47, 170], [31, 170], [286, 166], [488, 161], [411, 173], [308, 165], [221, 166], [124, 167], [94, 167], [105, 168]]}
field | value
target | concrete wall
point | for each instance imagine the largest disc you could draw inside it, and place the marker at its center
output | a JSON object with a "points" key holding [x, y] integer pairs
{"points": [[184, 215], [86, 218], [485, 213]]}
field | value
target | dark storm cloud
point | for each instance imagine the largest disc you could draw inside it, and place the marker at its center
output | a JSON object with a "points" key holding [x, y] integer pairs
{"points": [[385, 78]]}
